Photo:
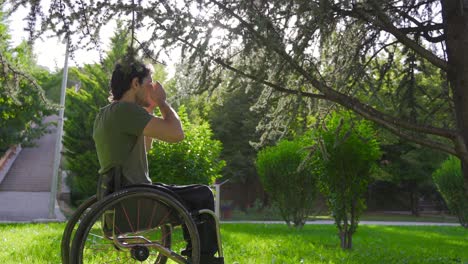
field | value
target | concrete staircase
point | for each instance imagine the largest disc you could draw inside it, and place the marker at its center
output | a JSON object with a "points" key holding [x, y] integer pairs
{"points": [[25, 190]]}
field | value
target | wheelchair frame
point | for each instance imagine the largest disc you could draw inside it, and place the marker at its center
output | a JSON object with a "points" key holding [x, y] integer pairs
{"points": [[87, 213]]}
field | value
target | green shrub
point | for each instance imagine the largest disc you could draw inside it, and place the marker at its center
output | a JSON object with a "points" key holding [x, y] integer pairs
{"points": [[289, 182], [449, 181], [194, 160], [348, 152]]}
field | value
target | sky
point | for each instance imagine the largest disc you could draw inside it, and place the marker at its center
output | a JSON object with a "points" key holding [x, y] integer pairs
{"points": [[50, 50]]}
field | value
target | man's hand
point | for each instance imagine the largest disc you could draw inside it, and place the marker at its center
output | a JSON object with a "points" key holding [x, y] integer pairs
{"points": [[168, 127], [157, 94]]}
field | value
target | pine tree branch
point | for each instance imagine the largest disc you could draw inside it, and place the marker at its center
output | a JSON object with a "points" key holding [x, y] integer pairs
{"points": [[277, 87], [421, 28], [383, 21], [395, 125], [333, 95]]}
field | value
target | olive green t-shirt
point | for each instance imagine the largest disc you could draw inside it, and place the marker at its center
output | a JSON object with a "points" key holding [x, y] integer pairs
{"points": [[118, 135]]}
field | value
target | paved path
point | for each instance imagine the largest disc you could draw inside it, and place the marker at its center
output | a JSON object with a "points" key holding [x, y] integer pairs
{"points": [[25, 191], [330, 222]]}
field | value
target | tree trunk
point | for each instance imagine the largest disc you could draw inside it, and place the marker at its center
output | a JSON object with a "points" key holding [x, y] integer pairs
{"points": [[350, 240], [414, 199], [455, 16], [353, 224], [343, 237], [346, 239]]}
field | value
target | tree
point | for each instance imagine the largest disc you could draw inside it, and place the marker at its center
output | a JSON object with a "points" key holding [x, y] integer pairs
{"points": [[410, 167], [417, 85], [80, 111], [51, 83], [348, 151], [234, 124], [290, 183], [318, 49], [23, 104]]}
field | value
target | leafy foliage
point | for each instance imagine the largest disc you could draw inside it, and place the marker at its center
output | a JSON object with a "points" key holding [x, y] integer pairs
{"points": [[449, 181], [419, 89], [234, 124], [22, 102], [51, 83], [348, 151], [409, 166], [194, 160], [80, 111], [308, 49], [290, 183]]}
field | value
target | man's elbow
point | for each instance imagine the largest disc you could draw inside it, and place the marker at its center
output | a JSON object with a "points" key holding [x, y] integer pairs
{"points": [[177, 137], [180, 136]]}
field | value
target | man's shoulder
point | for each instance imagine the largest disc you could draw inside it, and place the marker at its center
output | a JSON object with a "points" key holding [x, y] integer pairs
{"points": [[121, 107], [125, 106], [125, 113]]}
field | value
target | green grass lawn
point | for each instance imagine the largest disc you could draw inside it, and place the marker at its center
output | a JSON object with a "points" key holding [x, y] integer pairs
{"points": [[275, 243]]}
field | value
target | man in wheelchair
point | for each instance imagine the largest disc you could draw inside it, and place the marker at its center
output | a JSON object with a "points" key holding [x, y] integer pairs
{"points": [[123, 133]]}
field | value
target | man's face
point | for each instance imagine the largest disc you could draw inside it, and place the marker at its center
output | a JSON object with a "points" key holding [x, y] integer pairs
{"points": [[143, 92]]}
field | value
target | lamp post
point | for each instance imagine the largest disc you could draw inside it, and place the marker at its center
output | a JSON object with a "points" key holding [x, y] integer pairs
{"points": [[58, 143]]}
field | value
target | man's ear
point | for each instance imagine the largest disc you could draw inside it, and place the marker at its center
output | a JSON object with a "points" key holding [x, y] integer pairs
{"points": [[135, 82]]}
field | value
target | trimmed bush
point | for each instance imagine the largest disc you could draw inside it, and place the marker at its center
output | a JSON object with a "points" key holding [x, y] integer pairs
{"points": [[348, 151], [289, 182], [449, 181]]}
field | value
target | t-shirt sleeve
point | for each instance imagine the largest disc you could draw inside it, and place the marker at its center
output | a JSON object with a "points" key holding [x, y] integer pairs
{"points": [[131, 118]]}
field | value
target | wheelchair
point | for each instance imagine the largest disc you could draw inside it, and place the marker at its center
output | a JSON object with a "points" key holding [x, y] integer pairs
{"points": [[137, 224]]}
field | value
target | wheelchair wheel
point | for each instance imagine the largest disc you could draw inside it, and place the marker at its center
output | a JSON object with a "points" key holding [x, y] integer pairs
{"points": [[138, 224], [71, 227]]}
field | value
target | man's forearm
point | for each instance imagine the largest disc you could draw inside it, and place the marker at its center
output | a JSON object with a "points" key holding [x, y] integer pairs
{"points": [[168, 113], [170, 116], [167, 127]]}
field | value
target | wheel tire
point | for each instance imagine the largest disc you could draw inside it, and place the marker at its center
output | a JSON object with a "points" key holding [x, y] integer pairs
{"points": [[70, 227], [123, 196]]}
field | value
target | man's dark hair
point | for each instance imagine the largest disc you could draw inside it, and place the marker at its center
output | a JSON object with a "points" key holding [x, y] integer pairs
{"points": [[123, 75]]}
